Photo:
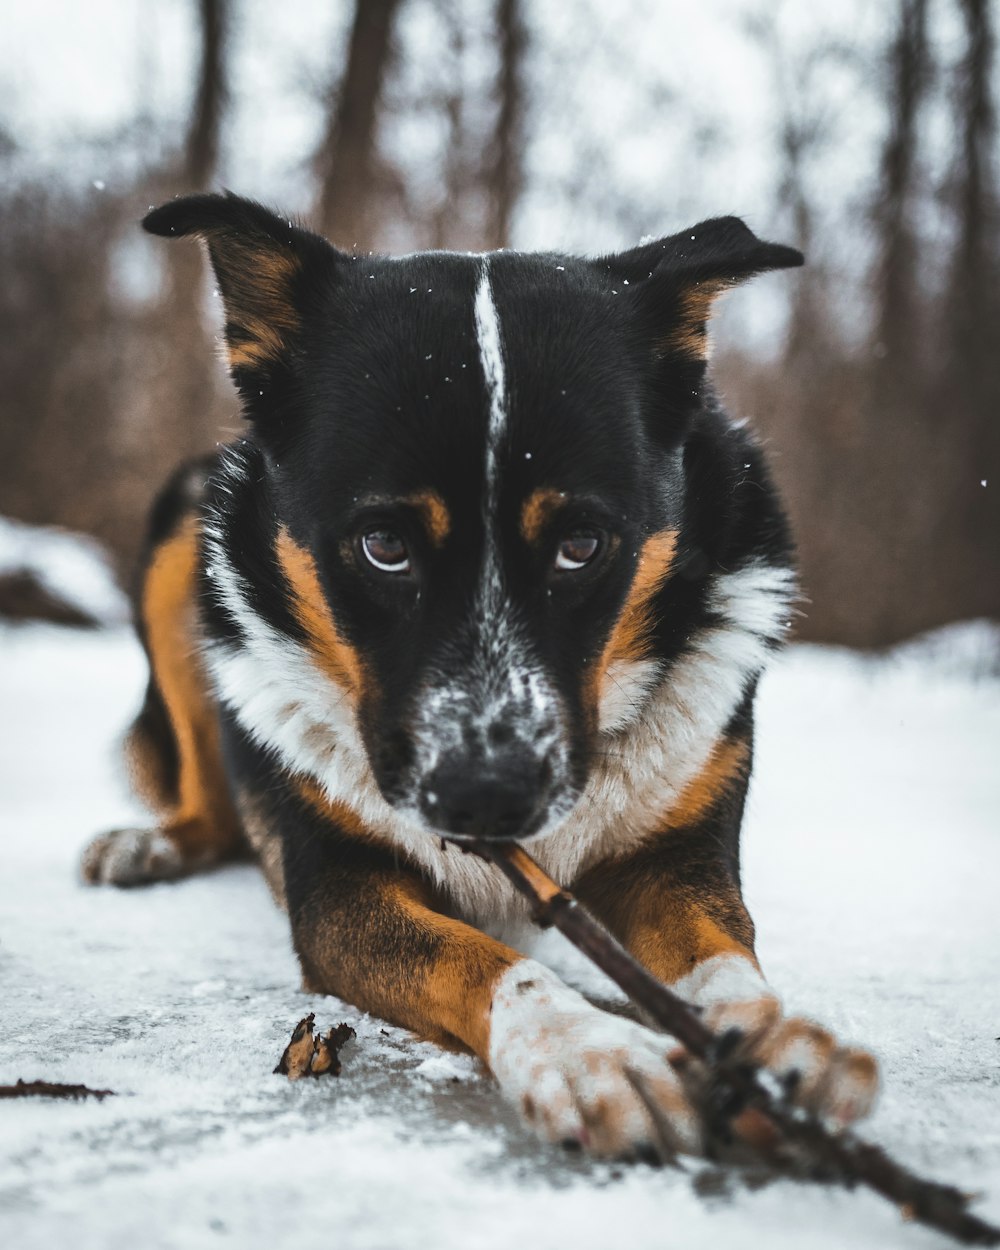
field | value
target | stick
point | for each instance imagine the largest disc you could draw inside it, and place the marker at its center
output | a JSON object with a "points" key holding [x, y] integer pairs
{"points": [[743, 1099], [49, 1089]]}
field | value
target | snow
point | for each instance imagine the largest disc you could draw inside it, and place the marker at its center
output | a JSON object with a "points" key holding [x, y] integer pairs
{"points": [[71, 566], [872, 856]]}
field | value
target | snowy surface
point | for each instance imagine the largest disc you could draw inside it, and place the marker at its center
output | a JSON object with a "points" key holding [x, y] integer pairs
{"points": [[872, 860], [71, 566]]}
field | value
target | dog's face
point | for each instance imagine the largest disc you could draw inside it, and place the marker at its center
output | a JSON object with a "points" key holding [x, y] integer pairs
{"points": [[478, 468]]}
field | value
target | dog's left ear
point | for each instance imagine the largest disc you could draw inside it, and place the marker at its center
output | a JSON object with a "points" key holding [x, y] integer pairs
{"points": [[267, 269], [675, 281]]}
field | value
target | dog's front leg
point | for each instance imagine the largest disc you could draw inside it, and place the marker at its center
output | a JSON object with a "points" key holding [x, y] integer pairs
{"points": [[677, 906], [372, 934]]}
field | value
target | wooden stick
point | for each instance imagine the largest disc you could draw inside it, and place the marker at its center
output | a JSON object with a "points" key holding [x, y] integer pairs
{"points": [[743, 1099], [50, 1089]]}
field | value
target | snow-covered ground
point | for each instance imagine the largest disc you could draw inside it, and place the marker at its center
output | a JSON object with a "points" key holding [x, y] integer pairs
{"points": [[872, 861], [72, 567]]}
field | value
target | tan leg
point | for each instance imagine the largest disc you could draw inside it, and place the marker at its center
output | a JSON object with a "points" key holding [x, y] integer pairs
{"points": [[174, 752], [373, 935]]}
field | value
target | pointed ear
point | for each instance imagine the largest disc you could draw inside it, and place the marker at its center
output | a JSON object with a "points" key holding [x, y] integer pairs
{"points": [[263, 264], [678, 279]]}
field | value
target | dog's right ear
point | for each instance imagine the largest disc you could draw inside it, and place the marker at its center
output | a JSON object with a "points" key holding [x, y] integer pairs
{"points": [[265, 267]]}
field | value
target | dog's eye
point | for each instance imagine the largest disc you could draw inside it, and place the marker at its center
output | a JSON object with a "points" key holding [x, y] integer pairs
{"points": [[386, 551], [577, 550]]}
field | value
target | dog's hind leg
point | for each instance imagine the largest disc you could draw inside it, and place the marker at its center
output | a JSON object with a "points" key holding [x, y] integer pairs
{"points": [[173, 748]]}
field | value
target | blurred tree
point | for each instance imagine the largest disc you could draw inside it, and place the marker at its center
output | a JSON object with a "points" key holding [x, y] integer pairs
{"points": [[201, 148], [461, 151], [974, 276], [505, 171], [364, 199], [969, 388], [897, 285], [804, 127], [186, 378], [346, 165]]}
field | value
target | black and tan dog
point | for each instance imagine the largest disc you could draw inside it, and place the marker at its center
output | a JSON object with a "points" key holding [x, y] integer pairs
{"points": [[490, 560]]}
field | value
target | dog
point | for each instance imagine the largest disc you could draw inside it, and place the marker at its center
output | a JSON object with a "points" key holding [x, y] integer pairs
{"points": [[492, 562]]}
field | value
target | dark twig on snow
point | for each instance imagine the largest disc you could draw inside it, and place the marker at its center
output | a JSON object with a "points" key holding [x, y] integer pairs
{"points": [[742, 1103], [309, 1054], [50, 1089]]}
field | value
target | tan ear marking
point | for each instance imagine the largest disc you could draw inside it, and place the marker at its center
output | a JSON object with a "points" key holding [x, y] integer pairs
{"points": [[258, 342], [689, 337], [256, 282]]}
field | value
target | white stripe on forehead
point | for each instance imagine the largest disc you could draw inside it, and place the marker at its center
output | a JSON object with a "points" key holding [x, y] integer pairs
{"points": [[506, 676], [491, 358]]}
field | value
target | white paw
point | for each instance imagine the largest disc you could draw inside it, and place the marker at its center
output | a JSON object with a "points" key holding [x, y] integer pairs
{"points": [[579, 1075], [837, 1082], [131, 857], [829, 1079]]}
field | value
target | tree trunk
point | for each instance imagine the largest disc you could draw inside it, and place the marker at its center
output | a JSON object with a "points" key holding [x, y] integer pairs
{"points": [[506, 167], [896, 277], [974, 272], [201, 150], [182, 395], [969, 387], [345, 163]]}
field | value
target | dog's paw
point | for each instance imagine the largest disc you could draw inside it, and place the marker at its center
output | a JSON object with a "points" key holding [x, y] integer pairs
{"points": [[837, 1082], [582, 1077], [132, 857]]}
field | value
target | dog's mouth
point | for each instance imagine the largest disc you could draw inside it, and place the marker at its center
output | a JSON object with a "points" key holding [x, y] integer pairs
{"points": [[466, 796]]}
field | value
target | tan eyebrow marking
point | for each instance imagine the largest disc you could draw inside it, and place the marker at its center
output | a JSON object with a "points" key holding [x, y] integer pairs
{"points": [[538, 509], [434, 513]]}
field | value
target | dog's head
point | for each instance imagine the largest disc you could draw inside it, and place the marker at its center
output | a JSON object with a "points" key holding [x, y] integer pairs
{"points": [[477, 464]]}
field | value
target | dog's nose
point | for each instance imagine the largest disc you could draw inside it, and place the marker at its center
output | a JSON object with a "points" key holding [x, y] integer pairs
{"points": [[485, 798]]}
